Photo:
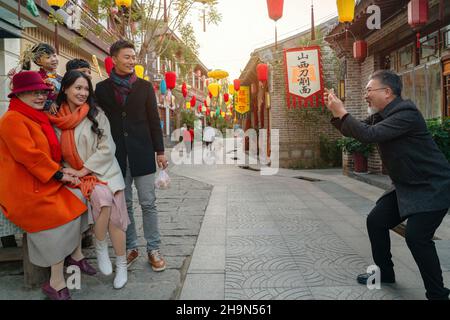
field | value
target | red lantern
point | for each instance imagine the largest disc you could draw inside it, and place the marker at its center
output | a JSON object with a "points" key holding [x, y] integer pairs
{"points": [[262, 71], [184, 90], [193, 101], [109, 65], [199, 109], [417, 16], [226, 97], [275, 8], [237, 84], [360, 50], [210, 94], [206, 103], [171, 79]]}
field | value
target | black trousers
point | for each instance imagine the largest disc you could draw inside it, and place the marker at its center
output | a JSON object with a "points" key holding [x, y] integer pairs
{"points": [[420, 230]]}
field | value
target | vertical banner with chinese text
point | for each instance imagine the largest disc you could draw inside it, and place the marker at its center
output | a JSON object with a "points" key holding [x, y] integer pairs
{"points": [[304, 78], [243, 100]]}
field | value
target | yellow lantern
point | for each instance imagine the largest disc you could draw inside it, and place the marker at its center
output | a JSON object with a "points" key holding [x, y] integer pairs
{"points": [[188, 105], [146, 78], [214, 89], [222, 113], [346, 10], [231, 89], [56, 4], [229, 113], [139, 69], [218, 74], [124, 3]]}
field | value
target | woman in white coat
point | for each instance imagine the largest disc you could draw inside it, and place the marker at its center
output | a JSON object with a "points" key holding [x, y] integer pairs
{"points": [[89, 154]]}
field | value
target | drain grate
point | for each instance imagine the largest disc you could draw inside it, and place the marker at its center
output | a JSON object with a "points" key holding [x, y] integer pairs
{"points": [[308, 179]]}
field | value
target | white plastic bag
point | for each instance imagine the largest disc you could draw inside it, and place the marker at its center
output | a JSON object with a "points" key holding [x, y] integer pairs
{"points": [[163, 180]]}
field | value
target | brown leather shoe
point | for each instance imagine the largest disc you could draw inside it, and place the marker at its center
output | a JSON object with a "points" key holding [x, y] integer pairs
{"points": [[156, 260], [132, 256]]}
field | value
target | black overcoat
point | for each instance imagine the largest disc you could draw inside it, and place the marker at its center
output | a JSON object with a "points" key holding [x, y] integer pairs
{"points": [[135, 126], [419, 171]]}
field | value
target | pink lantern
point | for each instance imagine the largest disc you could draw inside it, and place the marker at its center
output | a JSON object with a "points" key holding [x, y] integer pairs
{"points": [[109, 65], [171, 79]]}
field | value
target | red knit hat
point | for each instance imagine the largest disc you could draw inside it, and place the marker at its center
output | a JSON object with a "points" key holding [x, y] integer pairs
{"points": [[27, 81]]}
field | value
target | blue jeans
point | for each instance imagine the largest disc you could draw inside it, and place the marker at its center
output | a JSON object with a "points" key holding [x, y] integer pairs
{"points": [[145, 186]]}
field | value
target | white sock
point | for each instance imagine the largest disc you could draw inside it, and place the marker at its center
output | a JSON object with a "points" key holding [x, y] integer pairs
{"points": [[103, 261]]}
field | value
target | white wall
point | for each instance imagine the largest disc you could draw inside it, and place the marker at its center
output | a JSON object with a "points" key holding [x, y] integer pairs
{"points": [[9, 58]]}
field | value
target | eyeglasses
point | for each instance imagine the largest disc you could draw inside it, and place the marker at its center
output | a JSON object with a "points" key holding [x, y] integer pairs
{"points": [[370, 90], [39, 93]]}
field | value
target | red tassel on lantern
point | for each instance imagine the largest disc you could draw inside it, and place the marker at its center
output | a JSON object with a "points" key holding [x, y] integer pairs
{"points": [[360, 50], [237, 84], [109, 65], [184, 90], [171, 79], [262, 71], [193, 101], [226, 97]]}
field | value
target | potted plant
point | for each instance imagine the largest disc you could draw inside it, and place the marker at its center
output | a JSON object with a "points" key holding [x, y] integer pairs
{"points": [[360, 152]]}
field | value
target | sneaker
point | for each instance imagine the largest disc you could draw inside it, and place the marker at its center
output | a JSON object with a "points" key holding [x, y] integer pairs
{"points": [[132, 256], [156, 260]]}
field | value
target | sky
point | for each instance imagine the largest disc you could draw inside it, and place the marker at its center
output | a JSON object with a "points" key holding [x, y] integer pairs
{"points": [[246, 26]]}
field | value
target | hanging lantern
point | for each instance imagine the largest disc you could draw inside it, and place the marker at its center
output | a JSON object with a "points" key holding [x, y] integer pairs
{"points": [[214, 89], [346, 10], [275, 8], [139, 70], [171, 79], [123, 3], [199, 108], [360, 50], [217, 74], [109, 65], [193, 101], [56, 4], [226, 97], [262, 71], [231, 89], [163, 87], [188, 105], [184, 90], [222, 114], [209, 94], [237, 84], [417, 16], [206, 103], [146, 78]]}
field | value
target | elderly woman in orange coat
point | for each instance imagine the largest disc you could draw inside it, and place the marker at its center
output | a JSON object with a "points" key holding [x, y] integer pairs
{"points": [[32, 191]]}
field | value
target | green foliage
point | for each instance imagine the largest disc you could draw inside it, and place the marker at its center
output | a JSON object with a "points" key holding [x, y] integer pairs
{"points": [[330, 151], [440, 131], [188, 117], [351, 145]]}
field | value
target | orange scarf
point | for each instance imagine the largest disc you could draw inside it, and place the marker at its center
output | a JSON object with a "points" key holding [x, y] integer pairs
{"points": [[67, 121]]}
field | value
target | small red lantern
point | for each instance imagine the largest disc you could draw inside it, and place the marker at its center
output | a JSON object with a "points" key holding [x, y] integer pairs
{"points": [[109, 65], [262, 71], [275, 8], [184, 90], [237, 84], [417, 16], [226, 97], [171, 79], [193, 101], [210, 94], [360, 50], [206, 103]]}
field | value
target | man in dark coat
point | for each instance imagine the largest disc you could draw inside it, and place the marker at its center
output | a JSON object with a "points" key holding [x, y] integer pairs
{"points": [[131, 107], [419, 171]]}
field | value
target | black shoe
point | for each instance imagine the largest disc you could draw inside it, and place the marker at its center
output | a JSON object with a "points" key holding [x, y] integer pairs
{"points": [[363, 277]]}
